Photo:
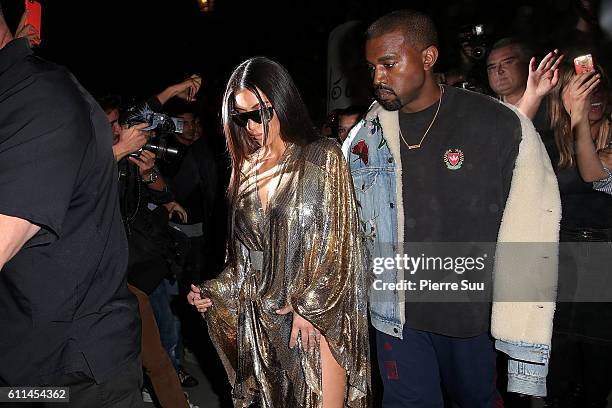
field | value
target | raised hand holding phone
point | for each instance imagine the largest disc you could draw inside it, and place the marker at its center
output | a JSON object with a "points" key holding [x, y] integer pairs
{"points": [[584, 63], [187, 89], [30, 23]]}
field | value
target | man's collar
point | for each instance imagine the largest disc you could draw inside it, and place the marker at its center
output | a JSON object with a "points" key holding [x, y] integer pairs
{"points": [[13, 52]]}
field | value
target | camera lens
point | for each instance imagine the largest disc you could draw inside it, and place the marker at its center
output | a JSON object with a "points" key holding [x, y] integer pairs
{"points": [[478, 52]]}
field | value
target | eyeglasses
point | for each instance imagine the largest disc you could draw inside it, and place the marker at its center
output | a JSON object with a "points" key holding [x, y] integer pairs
{"points": [[241, 119]]}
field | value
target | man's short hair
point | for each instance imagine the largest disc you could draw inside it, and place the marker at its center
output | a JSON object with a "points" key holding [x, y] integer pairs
{"points": [[352, 110], [109, 102], [418, 28], [524, 49]]}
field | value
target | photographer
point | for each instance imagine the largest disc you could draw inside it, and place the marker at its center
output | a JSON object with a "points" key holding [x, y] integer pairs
{"points": [[469, 74], [130, 141], [147, 242], [153, 245]]}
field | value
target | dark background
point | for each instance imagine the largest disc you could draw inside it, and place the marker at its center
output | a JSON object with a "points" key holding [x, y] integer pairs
{"points": [[137, 48]]}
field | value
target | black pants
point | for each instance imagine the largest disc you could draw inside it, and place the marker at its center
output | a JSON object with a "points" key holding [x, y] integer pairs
{"points": [[122, 390], [580, 369], [580, 372]]}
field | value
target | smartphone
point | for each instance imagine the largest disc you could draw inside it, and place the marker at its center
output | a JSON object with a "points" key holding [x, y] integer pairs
{"points": [[584, 63], [34, 15]]}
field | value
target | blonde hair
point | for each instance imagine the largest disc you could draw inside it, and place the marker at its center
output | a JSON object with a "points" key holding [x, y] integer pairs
{"points": [[560, 118]]}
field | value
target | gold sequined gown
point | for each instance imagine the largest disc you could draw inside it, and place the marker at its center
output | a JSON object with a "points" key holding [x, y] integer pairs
{"points": [[306, 250]]}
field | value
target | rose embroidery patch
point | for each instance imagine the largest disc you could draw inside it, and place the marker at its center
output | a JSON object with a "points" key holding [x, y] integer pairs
{"points": [[361, 150]]}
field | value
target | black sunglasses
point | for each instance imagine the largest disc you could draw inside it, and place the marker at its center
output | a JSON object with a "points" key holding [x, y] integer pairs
{"points": [[241, 119]]}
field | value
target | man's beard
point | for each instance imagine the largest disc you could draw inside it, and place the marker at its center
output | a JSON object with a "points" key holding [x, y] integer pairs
{"points": [[388, 104], [391, 105]]}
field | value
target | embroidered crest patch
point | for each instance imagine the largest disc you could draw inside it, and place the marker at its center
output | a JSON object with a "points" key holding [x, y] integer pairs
{"points": [[453, 158]]}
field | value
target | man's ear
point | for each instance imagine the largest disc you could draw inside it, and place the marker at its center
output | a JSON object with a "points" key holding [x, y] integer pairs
{"points": [[430, 56]]}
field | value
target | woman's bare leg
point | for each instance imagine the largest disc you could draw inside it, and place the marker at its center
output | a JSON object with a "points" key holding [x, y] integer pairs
{"points": [[334, 378]]}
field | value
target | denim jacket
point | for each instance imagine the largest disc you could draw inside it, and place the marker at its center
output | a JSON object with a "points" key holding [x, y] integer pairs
{"points": [[523, 330]]}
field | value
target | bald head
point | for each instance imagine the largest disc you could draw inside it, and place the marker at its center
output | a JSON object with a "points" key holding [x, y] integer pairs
{"points": [[417, 28]]}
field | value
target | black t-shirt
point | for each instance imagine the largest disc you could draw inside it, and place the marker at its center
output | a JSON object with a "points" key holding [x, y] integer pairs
{"points": [[541, 121], [581, 206], [64, 303], [460, 199]]}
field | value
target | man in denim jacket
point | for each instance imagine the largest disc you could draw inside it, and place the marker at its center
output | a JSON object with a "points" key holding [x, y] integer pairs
{"points": [[437, 164]]}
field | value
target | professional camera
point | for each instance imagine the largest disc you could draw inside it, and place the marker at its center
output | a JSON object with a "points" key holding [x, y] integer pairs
{"points": [[159, 147], [142, 113], [161, 123], [474, 37]]}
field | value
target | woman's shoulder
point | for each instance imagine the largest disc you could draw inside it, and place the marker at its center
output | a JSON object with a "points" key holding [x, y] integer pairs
{"points": [[323, 151]]}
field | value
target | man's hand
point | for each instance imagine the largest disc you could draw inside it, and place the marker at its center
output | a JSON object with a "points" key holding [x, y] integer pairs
{"points": [[27, 30], [130, 140], [174, 207], [193, 298], [145, 163], [185, 90], [576, 97], [301, 327]]}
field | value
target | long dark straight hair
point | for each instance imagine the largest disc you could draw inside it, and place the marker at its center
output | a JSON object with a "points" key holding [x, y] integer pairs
{"points": [[261, 75]]}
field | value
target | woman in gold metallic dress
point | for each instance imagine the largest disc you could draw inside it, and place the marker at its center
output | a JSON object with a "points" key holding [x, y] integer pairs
{"points": [[288, 314]]}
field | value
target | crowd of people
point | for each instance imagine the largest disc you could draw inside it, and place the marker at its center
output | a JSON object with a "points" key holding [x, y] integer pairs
{"points": [[122, 239]]}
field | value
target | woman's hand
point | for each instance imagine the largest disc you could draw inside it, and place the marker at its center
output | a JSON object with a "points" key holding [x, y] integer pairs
{"points": [[544, 78], [540, 82], [576, 97], [193, 297], [28, 31], [310, 335]]}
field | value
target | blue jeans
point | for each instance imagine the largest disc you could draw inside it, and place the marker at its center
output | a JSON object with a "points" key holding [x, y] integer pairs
{"points": [[415, 369], [167, 322]]}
